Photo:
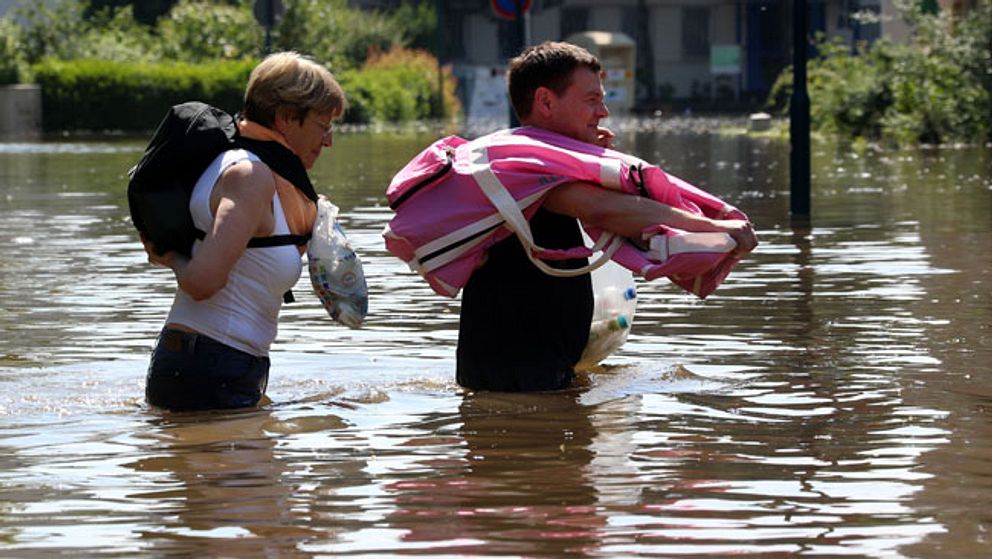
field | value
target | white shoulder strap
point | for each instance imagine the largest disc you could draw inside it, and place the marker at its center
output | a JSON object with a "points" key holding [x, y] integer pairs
{"points": [[491, 186]]}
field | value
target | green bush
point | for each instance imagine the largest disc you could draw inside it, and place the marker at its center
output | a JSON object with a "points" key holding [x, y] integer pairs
{"points": [[89, 94], [935, 88], [10, 57], [58, 29], [338, 36], [417, 22], [399, 86], [200, 31], [101, 69], [849, 92]]}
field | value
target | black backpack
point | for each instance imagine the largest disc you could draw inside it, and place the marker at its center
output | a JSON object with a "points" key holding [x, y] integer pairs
{"points": [[187, 140]]}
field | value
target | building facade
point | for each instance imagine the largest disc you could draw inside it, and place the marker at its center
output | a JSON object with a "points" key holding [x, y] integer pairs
{"points": [[717, 50]]}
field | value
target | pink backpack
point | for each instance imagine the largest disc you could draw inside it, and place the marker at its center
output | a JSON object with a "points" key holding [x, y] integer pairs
{"points": [[457, 198]]}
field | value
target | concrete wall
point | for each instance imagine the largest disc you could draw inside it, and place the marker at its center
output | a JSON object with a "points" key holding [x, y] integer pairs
{"points": [[20, 112]]}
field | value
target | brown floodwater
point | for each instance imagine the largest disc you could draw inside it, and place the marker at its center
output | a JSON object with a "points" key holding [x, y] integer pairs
{"points": [[832, 398]]}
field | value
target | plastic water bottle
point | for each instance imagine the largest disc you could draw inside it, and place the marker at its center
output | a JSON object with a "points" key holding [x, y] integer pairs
{"points": [[618, 323], [615, 300]]}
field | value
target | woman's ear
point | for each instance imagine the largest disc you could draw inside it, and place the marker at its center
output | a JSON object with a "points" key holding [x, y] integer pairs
{"points": [[284, 117], [279, 121]]}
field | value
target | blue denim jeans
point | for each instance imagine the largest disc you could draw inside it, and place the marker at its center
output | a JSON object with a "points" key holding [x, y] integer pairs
{"points": [[193, 372]]}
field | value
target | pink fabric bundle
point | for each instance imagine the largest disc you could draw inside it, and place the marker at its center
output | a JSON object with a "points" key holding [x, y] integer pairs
{"points": [[457, 198]]}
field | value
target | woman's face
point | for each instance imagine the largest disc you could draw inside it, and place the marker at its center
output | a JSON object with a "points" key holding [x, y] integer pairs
{"points": [[308, 137]]}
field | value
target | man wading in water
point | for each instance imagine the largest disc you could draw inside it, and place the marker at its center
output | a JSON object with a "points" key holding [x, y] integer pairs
{"points": [[523, 330]]}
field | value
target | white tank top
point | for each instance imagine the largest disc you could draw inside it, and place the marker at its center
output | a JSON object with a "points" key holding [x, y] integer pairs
{"points": [[245, 313]]}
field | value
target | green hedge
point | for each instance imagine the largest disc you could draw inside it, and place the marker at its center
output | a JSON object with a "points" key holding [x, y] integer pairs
{"points": [[88, 94], [101, 95]]}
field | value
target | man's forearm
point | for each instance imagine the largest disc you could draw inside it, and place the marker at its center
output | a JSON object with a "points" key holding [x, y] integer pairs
{"points": [[620, 213]]}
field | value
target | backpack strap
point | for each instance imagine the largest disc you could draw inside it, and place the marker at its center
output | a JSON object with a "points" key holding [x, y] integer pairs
{"points": [[286, 164], [270, 241], [280, 159], [508, 209]]}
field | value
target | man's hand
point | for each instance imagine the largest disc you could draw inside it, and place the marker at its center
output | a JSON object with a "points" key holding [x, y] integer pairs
{"points": [[743, 234], [604, 137], [629, 215]]}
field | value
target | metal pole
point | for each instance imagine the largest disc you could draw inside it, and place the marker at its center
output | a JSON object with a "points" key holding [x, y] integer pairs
{"points": [[440, 54], [799, 155], [522, 35]]}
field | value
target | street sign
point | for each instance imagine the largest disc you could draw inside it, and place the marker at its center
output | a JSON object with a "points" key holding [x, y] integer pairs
{"points": [[509, 9], [725, 59]]}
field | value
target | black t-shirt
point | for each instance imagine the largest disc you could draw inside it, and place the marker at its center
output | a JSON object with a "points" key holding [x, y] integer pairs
{"points": [[521, 329]]}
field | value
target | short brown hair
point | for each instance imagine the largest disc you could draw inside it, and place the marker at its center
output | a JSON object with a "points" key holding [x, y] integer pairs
{"points": [[549, 64], [289, 80]]}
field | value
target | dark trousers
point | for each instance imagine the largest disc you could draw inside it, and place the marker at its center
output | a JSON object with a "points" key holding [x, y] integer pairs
{"points": [[193, 372]]}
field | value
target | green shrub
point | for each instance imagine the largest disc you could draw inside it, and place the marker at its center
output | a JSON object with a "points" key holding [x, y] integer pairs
{"points": [[91, 94], [102, 69], [398, 86], [942, 87], [58, 29], [199, 31], [10, 57], [52, 29], [417, 22], [338, 36], [936, 88], [851, 90]]}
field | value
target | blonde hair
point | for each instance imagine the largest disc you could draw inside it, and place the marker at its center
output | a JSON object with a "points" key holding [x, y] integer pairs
{"points": [[294, 82]]}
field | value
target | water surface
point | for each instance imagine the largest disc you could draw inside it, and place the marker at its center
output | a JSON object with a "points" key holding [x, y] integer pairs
{"points": [[831, 399]]}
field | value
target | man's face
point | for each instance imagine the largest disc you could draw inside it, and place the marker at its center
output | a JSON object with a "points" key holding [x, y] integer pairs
{"points": [[580, 108]]}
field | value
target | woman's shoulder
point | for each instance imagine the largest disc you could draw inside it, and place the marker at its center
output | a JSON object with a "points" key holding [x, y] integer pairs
{"points": [[247, 179]]}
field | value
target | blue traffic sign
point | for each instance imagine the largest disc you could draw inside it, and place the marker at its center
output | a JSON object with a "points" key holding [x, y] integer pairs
{"points": [[510, 9]]}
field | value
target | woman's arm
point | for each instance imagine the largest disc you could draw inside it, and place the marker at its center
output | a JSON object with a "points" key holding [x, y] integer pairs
{"points": [[628, 215], [243, 198]]}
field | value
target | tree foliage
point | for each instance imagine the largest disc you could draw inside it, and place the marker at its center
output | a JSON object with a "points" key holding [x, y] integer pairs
{"points": [[100, 47], [196, 31], [201, 30], [937, 87], [11, 61]]}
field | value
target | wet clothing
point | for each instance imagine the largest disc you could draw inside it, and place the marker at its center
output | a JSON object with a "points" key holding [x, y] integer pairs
{"points": [[224, 362], [522, 330], [245, 313], [194, 372]]}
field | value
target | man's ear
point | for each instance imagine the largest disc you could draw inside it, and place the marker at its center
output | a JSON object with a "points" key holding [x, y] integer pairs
{"points": [[544, 102]]}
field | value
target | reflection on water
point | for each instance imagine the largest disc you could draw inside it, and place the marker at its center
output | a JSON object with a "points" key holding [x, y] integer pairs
{"points": [[832, 398]]}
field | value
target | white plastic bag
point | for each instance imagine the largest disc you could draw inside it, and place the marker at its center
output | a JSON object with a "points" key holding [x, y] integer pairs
{"points": [[335, 269], [615, 301]]}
